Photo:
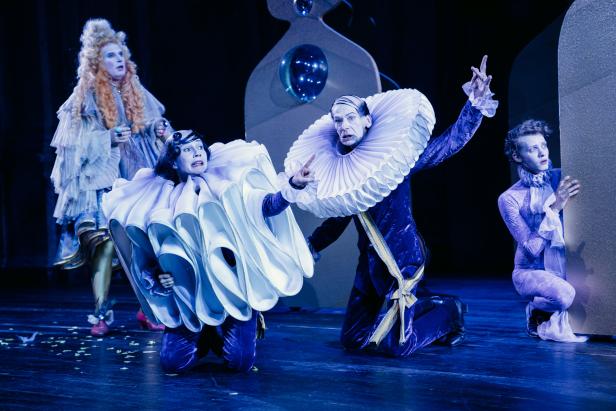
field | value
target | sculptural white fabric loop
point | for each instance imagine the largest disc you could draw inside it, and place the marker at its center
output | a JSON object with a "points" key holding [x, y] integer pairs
{"points": [[192, 230]]}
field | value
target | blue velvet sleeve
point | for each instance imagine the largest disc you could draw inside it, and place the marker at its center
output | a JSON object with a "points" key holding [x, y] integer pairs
{"points": [[452, 140], [328, 232], [274, 204]]}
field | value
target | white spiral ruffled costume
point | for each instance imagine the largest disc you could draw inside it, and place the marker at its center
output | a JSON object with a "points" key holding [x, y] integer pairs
{"points": [[186, 227]]}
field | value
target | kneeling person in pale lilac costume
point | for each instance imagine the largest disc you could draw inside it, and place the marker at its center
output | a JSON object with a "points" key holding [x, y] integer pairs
{"points": [[532, 210]]}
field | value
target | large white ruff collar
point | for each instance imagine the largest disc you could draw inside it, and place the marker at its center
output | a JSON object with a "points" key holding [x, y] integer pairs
{"points": [[351, 183]]}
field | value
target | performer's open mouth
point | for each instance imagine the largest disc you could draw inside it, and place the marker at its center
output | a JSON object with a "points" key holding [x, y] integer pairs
{"points": [[197, 163]]}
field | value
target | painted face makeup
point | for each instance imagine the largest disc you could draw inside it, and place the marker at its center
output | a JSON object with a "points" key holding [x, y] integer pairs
{"points": [[533, 153], [350, 125], [192, 159], [113, 60]]}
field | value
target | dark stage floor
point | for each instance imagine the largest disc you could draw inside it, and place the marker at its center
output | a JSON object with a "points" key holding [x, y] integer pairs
{"points": [[300, 363]]}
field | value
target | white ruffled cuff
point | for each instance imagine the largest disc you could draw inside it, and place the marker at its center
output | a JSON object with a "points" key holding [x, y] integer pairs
{"points": [[485, 104], [557, 328], [293, 195], [551, 227]]}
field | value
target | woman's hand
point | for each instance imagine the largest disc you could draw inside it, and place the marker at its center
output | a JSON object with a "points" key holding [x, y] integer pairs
{"points": [[161, 127], [119, 135], [166, 280], [568, 188], [304, 175]]}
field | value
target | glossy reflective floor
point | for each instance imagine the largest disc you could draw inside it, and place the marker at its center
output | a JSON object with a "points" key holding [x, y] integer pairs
{"points": [[300, 363]]}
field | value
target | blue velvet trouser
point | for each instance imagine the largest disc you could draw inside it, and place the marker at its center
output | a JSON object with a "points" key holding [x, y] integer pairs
{"points": [[426, 321], [234, 340]]}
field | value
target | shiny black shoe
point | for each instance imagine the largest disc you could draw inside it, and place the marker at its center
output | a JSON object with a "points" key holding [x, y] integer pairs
{"points": [[534, 317], [455, 338], [458, 334]]}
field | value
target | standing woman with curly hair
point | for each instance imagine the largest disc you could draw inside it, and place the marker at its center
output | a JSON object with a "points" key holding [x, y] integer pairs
{"points": [[109, 127]]}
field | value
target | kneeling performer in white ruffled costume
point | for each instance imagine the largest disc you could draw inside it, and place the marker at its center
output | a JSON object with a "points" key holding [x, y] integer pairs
{"points": [[206, 252]]}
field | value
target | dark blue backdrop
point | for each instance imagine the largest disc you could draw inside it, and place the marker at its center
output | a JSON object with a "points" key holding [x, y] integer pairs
{"points": [[196, 56]]}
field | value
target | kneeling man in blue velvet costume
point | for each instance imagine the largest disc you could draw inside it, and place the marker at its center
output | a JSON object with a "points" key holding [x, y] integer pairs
{"points": [[372, 147]]}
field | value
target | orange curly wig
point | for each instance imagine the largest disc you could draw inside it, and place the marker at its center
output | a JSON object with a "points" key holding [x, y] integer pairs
{"points": [[92, 76]]}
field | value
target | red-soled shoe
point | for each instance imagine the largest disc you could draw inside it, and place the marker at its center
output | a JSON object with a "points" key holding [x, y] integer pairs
{"points": [[147, 324], [100, 330]]}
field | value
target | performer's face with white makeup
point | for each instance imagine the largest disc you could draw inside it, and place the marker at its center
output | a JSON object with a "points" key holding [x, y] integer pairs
{"points": [[532, 153], [113, 60], [192, 159], [350, 125]]}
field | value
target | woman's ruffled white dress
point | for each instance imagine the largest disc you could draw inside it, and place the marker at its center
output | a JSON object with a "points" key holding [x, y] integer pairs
{"points": [[182, 229]]}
